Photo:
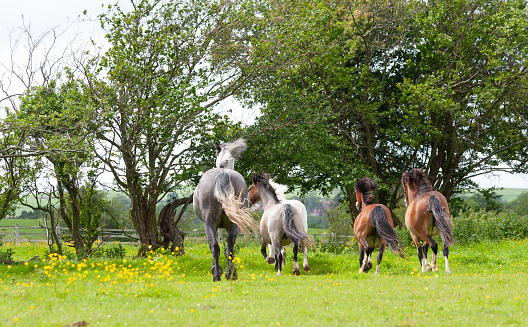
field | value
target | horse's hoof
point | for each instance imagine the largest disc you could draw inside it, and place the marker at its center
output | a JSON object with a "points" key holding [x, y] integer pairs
{"points": [[270, 260], [448, 271], [296, 272], [279, 273], [306, 268]]}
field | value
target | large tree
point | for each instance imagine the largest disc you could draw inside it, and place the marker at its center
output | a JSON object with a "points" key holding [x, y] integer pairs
{"points": [[376, 88], [169, 63]]}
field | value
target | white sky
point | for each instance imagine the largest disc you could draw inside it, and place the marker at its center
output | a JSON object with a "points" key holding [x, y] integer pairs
{"points": [[46, 14]]}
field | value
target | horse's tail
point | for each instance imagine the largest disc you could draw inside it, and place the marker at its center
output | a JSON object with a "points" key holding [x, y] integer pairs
{"points": [[378, 219], [234, 208], [287, 213], [441, 220]]}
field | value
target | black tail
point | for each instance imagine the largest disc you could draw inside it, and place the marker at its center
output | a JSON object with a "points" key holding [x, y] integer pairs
{"points": [[441, 220], [288, 222], [378, 219]]}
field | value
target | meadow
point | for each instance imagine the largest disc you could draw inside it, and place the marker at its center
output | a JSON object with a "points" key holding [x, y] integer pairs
{"points": [[487, 287]]}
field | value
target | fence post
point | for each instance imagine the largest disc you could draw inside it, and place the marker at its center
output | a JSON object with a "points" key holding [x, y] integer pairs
{"points": [[58, 231], [220, 232], [17, 233], [100, 237]]}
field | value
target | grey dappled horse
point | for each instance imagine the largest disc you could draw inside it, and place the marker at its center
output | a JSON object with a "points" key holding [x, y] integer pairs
{"points": [[221, 201]]}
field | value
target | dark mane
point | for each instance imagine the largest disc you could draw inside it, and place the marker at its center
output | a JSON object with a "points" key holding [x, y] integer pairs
{"points": [[416, 178], [365, 186], [262, 181]]}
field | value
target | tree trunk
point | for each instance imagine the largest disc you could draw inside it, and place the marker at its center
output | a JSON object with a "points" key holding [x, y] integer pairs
{"points": [[169, 228], [143, 214]]}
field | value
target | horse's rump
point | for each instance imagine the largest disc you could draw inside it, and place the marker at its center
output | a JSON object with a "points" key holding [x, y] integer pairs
{"points": [[288, 215], [235, 206]]}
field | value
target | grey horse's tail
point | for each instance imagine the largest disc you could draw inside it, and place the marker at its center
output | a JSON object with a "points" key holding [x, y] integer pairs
{"points": [[287, 213], [441, 220], [379, 220], [234, 207]]}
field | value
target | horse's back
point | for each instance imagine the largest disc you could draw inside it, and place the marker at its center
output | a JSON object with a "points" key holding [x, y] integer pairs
{"points": [[204, 194]]}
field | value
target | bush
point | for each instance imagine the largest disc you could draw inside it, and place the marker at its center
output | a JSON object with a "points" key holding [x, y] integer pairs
{"points": [[480, 225], [476, 226]]}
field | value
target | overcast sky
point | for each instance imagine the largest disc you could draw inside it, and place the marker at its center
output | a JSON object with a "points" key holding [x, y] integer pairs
{"points": [[68, 14]]}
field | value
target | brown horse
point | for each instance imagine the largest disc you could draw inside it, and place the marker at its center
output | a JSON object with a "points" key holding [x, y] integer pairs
{"points": [[373, 226], [427, 215]]}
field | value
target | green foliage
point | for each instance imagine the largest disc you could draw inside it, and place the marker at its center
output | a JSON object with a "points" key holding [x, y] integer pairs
{"points": [[7, 254], [519, 205], [333, 245], [480, 225], [113, 252], [339, 221]]}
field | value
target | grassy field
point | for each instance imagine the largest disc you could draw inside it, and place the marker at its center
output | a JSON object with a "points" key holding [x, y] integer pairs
{"points": [[487, 287]]}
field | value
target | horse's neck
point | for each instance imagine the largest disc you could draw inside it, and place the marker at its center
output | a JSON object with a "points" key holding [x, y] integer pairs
{"points": [[267, 200], [231, 164]]}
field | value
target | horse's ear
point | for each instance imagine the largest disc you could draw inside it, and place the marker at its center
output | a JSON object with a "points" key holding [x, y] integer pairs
{"points": [[218, 148]]}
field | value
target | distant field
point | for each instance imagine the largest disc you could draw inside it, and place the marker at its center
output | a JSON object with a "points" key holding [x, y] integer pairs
{"points": [[508, 194]]}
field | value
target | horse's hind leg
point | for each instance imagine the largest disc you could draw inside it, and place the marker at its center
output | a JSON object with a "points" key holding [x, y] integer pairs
{"points": [[306, 266], [365, 251], [416, 241], [425, 249], [445, 249], [283, 250], [216, 270], [368, 252], [231, 271], [295, 263], [382, 246], [278, 256], [361, 256], [434, 256]]}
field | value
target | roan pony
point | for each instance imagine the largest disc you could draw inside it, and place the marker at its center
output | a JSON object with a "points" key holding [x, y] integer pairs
{"points": [[221, 200], [373, 226], [279, 191], [280, 224], [427, 215]]}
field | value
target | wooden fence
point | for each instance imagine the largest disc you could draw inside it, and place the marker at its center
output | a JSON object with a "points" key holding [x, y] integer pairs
{"points": [[19, 234]]}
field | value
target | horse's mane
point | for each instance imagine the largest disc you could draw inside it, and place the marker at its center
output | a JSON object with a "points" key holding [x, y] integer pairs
{"points": [[264, 182], [365, 186], [279, 189], [417, 178], [235, 147]]}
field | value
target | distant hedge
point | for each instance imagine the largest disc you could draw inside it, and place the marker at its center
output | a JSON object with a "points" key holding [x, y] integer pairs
{"points": [[476, 226]]}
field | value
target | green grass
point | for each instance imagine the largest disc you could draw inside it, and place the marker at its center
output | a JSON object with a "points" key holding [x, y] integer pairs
{"points": [[487, 287]]}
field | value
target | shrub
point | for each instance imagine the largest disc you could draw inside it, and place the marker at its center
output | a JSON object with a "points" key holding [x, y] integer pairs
{"points": [[475, 226]]}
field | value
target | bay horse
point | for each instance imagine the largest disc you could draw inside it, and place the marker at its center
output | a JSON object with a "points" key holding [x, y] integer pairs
{"points": [[280, 224], [373, 226], [280, 190], [221, 201], [427, 215]]}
